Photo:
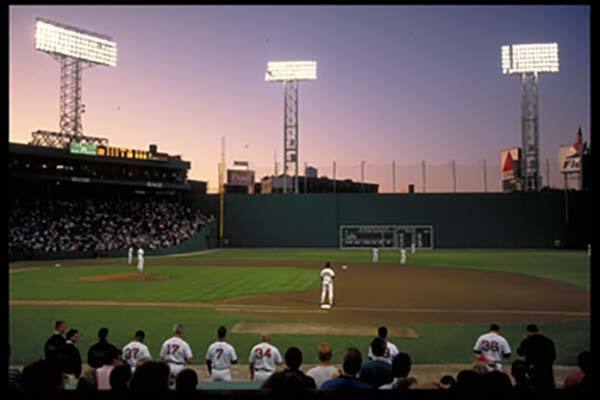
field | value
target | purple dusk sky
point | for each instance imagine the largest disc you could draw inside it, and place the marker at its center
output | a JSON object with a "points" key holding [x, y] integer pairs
{"points": [[403, 83]]}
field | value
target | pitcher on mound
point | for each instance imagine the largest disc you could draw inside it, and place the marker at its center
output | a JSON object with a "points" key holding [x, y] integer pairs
{"points": [[327, 276]]}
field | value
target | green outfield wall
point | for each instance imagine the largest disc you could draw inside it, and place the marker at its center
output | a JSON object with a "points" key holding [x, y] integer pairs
{"points": [[460, 220]]}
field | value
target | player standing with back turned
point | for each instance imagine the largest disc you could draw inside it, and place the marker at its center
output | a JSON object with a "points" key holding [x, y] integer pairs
{"points": [[327, 276]]}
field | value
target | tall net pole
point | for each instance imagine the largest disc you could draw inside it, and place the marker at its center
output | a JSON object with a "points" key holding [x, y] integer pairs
{"points": [[530, 132], [71, 106], [222, 192]]}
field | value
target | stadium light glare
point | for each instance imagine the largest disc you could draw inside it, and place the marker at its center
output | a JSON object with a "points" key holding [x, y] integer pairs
{"points": [[55, 38], [281, 71], [524, 58]]}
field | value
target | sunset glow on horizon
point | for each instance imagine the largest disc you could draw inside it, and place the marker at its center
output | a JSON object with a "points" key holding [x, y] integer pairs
{"points": [[395, 84]]}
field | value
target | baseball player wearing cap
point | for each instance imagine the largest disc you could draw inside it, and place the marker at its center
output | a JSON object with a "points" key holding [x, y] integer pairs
{"points": [[264, 358], [327, 276], [220, 356], [136, 350], [492, 349], [130, 255], [176, 352], [140, 264]]}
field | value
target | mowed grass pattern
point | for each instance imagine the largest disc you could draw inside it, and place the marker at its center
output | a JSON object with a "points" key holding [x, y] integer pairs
{"points": [[565, 266], [185, 284]]}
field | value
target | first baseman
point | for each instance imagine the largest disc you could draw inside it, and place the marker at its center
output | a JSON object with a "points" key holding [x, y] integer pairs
{"points": [[327, 276]]}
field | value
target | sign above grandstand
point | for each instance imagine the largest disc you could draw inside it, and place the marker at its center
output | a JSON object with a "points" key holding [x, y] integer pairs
{"points": [[569, 159], [123, 152], [509, 163], [240, 177], [83, 148]]}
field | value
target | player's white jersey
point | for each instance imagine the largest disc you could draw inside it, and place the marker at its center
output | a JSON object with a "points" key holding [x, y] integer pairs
{"points": [[221, 355], [265, 357], [327, 275], [140, 253], [492, 346], [391, 351], [134, 352], [175, 351]]}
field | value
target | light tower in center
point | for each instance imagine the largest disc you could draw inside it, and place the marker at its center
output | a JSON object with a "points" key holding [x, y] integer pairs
{"points": [[290, 73], [528, 61]]}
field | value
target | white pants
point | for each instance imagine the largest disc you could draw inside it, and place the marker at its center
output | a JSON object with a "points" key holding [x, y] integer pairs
{"points": [[402, 259], [140, 266], [375, 257], [221, 375], [327, 289], [129, 259], [175, 368], [261, 376]]}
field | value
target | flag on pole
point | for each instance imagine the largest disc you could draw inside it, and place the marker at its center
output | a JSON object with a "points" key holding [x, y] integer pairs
{"points": [[578, 144]]}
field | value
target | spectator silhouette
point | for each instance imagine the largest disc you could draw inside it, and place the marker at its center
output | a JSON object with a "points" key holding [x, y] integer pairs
{"points": [[69, 356], [574, 379], [151, 378], [15, 378], [186, 382], [119, 379], [43, 377], [291, 379], [348, 379], [377, 372], [401, 366], [518, 370]]}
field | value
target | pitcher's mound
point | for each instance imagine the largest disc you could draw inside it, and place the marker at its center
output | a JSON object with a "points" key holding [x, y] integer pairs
{"points": [[318, 329], [130, 276]]}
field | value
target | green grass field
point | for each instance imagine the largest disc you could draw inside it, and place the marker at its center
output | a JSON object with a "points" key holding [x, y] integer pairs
{"points": [[30, 326]]}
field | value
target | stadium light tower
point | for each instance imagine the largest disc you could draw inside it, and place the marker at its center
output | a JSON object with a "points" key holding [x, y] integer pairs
{"points": [[75, 49], [290, 73], [528, 61]]}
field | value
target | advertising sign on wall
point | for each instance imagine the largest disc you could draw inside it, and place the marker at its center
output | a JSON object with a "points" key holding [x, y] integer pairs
{"points": [[240, 177]]}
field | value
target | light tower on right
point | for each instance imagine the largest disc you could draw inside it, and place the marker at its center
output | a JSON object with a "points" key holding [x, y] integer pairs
{"points": [[528, 61]]}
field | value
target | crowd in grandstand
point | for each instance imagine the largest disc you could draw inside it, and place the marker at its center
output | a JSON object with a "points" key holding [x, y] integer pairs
{"points": [[133, 370], [65, 226]]}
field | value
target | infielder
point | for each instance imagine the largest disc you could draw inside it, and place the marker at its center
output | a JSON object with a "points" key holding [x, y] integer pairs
{"points": [[140, 264], [220, 356], [264, 358], [375, 255], [136, 350], [327, 276], [413, 248], [176, 352], [402, 256], [492, 349], [130, 255]]}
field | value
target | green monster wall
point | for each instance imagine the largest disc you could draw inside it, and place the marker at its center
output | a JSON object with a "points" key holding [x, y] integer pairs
{"points": [[486, 220]]}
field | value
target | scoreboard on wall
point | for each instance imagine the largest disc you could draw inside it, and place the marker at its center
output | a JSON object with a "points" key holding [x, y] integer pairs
{"points": [[386, 236]]}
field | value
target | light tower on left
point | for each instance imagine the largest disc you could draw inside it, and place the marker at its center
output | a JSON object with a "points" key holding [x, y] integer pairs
{"points": [[75, 49]]}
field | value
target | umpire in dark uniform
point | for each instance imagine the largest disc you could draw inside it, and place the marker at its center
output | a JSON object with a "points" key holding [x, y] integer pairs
{"points": [[540, 353], [55, 343]]}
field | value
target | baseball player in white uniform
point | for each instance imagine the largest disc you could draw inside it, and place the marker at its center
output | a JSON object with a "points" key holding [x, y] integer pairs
{"points": [[375, 255], [391, 350], [176, 352], [219, 357], [491, 349], [327, 276], [402, 256], [413, 248], [264, 358], [136, 350], [130, 255], [140, 257]]}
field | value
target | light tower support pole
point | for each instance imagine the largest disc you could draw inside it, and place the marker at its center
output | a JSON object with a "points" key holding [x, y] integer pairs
{"points": [[530, 132], [290, 132]]}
